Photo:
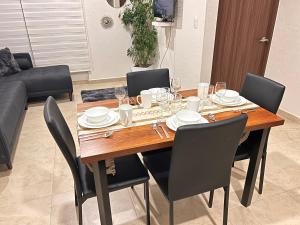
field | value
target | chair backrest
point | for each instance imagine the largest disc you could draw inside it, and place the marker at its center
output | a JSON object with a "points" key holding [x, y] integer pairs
{"points": [[63, 137], [263, 91], [202, 157], [143, 80]]}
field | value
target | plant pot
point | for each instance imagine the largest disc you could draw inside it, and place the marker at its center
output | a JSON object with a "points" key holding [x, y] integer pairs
{"points": [[136, 68]]}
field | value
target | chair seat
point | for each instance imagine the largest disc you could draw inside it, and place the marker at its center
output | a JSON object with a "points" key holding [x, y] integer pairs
{"points": [[130, 171], [154, 152], [158, 163], [241, 153]]}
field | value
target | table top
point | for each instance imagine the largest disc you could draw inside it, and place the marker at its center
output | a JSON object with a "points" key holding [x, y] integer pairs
{"points": [[143, 138]]}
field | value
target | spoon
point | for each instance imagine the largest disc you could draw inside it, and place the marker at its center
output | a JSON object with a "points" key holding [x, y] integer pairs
{"points": [[155, 127]]}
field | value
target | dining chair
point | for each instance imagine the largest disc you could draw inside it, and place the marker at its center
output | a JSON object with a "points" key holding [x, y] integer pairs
{"points": [[129, 169], [267, 94], [143, 80], [200, 161]]}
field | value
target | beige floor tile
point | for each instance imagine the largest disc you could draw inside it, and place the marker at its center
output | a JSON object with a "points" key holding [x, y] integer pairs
{"points": [[34, 212]]}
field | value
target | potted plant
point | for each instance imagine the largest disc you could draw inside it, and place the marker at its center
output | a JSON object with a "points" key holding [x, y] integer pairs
{"points": [[138, 17]]}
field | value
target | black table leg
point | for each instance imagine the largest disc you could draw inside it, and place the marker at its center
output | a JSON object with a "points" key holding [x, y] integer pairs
{"points": [[253, 170], [100, 178]]}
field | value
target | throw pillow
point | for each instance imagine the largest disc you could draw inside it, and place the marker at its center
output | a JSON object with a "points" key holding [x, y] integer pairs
{"points": [[8, 64]]}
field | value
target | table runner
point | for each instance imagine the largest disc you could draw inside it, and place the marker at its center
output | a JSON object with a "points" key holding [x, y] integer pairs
{"points": [[143, 116]]}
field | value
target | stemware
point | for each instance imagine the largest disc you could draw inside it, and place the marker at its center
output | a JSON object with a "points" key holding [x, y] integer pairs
{"points": [[175, 84], [211, 89], [220, 89], [120, 94]]}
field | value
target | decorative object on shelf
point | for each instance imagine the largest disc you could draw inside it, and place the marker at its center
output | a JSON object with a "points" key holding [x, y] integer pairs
{"points": [[116, 3], [138, 17], [107, 22]]}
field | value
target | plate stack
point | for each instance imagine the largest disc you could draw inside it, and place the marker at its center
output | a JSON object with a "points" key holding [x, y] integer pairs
{"points": [[98, 117], [184, 117], [228, 98]]}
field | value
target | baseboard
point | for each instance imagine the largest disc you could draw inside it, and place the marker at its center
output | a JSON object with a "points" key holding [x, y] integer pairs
{"points": [[288, 115], [80, 76], [108, 80]]}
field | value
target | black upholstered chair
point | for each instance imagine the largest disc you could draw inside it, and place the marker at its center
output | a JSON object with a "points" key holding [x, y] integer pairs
{"points": [[142, 80], [200, 161], [130, 170], [267, 94]]}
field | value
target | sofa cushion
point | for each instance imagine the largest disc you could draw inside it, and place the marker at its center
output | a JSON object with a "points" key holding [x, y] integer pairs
{"points": [[12, 103], [41, 80], [8, 64]]}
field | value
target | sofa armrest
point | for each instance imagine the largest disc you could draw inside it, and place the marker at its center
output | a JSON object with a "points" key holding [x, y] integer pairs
{"points": [[24, 60]]}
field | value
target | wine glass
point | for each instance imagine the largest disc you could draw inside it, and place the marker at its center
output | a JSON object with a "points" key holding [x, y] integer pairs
{"points": [[211, 89], [120, 94], [175, 84], [220, 89]]}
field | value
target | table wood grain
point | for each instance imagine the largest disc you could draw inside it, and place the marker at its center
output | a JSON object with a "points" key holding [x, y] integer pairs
{"points": [[144, 138]]}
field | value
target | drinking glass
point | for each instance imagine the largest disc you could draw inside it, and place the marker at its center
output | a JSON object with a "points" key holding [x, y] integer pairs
{"points": [[163, 100], [220, 89], [211, 89], [175, 84], [120, 94], [176, 103]]}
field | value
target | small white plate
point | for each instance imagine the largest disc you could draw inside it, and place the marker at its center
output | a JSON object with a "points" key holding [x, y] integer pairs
{"points": [[240, 101], [112, 115], [171, 122]]}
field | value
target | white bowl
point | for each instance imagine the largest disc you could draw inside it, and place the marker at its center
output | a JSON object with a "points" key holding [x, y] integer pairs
{"points": [[185, 117], [96, 114], [229, 95]]}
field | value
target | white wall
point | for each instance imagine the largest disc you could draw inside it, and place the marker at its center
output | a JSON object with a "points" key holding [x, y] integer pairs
{"points": [[108, 46], [185, 54], [284, 59], [209, 39]]}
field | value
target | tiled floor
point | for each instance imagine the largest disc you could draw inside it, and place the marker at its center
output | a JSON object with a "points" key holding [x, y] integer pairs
{"points": [[39, 189]]}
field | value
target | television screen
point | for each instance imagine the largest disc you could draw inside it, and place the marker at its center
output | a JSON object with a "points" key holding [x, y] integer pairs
{"points": [[164, 9]]}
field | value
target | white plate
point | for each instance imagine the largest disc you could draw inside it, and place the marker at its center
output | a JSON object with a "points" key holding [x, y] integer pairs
{"points": [[171, 122], [113, 118], [240, 101]]}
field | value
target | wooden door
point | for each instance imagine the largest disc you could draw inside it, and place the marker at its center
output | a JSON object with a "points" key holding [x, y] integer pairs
{"points": [[243, 37]]}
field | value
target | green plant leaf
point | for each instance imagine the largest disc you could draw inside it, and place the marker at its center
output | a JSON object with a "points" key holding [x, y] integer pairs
{"points": [[139, 16]]}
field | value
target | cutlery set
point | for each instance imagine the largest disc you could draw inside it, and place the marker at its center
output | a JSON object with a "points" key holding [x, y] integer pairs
{"points": [[156, 127]]}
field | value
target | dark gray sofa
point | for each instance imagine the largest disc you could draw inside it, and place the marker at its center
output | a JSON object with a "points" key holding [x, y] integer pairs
{"points": [[42, 81], [15, 91]]}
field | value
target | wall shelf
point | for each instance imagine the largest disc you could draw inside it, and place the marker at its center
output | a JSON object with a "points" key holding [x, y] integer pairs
{"points": [[162, 24]]}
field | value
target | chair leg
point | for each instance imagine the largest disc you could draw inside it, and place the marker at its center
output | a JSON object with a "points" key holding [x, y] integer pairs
{"points": [[262, 173], [171, 213], [76, 200], [146, 187], [71, 95], [226, 202], [79, 213], [211, 198], [9, 165]]}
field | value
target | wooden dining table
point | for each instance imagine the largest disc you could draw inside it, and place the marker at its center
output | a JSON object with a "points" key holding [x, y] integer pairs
{"points": [[143, 138]]}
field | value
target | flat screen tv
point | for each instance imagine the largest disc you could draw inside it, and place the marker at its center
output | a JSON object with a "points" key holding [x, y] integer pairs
{"points": [[164, 9]]}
